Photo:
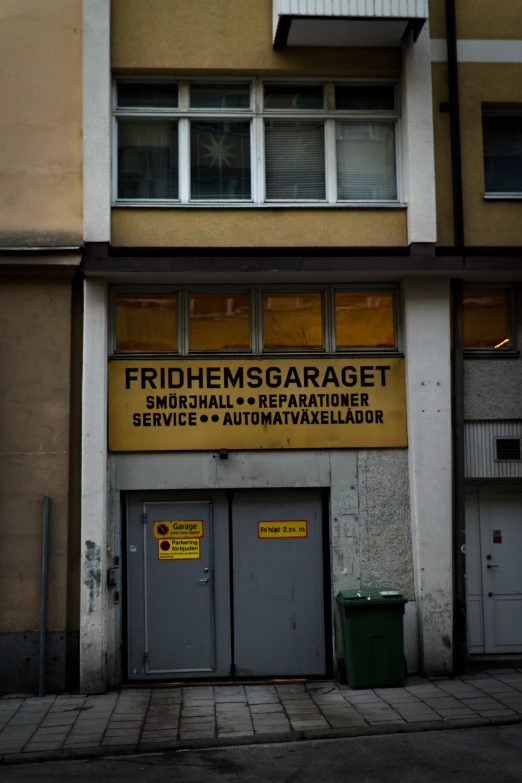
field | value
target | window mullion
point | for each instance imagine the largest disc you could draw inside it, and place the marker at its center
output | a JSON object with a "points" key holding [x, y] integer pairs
{"points": [[331, 162], [184, 160]]}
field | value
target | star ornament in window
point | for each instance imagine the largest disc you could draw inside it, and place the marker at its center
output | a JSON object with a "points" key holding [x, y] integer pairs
{"points": [[219, 151]]}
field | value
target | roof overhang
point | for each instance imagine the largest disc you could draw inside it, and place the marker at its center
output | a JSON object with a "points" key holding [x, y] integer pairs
{"points": [[368, 23]]}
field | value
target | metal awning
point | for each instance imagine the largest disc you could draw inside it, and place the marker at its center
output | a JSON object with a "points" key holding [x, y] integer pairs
{"points": [[347, 22]]}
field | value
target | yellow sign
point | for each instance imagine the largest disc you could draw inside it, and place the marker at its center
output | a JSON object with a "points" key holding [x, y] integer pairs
{"points": [[188, 405], [293, 528], [179, 528], [179, 549]]}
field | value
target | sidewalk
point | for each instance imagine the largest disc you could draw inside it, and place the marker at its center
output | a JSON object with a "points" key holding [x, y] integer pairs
{"points": [[155, 719]]}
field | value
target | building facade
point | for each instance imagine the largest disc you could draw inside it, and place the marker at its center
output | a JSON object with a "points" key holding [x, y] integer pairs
{"points": [[292, 343]]}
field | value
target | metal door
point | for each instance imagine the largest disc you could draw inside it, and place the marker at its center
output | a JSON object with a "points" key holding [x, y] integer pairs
{"points": [[501, 545], [171, 620], [279, 616]]}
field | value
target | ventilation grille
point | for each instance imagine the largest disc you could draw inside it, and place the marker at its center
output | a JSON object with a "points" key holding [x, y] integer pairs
{"points": [[493, 449], [507, 449]]}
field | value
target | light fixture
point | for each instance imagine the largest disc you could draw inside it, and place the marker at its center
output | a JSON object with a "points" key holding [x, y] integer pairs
{"points": [[502, 343]]}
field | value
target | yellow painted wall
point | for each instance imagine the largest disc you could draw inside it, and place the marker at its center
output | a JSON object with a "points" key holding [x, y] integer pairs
{"points": [[300, 227], [35, 317], [194, 36], [479, 19], [40, 123], [486, 223]]}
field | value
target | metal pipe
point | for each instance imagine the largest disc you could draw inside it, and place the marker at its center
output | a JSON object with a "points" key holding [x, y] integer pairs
{"points": [[459, 531], [43, 596], [454, 107]]}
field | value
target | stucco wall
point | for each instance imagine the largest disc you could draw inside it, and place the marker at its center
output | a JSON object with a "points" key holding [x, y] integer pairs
{"points": [[479, 19], [225, 35], [40, 123], [384, 520], [486, 223], [262, 227], [34, 461]]}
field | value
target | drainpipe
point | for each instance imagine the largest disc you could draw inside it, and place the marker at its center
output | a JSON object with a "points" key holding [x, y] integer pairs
{"points": [[454, 107], [43, 596], [460, 650]]}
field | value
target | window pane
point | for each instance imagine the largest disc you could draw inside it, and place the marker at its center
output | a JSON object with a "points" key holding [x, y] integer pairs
{"points": [[146, 322], [486, 319], [154, 96], [502, 154], [294, 154], [302, 96], [364, 319], [366, 161], [292, 321], [361, 98], [147, 159], [217, 96], [219, 322], [220, 160]]}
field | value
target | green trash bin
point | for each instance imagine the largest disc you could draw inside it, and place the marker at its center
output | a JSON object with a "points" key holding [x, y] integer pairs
{"points": [[373, 641]]}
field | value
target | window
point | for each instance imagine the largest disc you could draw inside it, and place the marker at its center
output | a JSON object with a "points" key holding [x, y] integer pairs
{"points": [[255, 142], [256, 320], [485, 319], [502, 135]]}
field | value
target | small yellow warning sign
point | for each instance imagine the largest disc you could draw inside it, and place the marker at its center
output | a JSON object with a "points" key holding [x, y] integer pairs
{"points": [[179, 549], [292, 528], [179, 528]]}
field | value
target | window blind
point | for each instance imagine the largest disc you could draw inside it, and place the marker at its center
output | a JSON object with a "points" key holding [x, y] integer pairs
{"points": [[295, 160], [366, 161], [147, 159], [502, 153]]}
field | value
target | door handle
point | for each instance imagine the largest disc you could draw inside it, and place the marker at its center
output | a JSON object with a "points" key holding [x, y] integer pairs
{"points": [[204, 580], [491, 566]]}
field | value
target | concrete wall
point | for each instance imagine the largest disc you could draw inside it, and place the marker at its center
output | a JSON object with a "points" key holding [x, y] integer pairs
{"points": [[35, 320], [40, 123], [384, 520]]}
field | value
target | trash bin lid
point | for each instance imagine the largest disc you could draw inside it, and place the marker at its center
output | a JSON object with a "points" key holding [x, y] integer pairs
{"points": [[375, 595]]}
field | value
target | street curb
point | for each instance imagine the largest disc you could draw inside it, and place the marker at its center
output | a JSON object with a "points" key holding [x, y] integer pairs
{"points": [[84, 754]]}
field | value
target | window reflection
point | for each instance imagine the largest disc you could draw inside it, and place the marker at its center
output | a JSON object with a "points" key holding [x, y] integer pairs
{"points": [[219, 322], [364, 319], [292, 320], [146, 322]]}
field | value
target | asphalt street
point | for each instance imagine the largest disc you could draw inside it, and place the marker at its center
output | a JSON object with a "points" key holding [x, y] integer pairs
{"points": [[474, 755]]}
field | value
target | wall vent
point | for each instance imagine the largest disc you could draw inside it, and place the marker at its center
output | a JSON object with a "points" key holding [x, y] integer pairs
{"points": [[507, 449], [493, 449]]}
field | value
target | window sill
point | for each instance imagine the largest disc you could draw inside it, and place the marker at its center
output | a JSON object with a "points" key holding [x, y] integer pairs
{"points": [[502, 196], [267, 205]]}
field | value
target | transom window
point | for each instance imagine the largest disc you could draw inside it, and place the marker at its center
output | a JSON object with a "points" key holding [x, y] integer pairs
{"points": [[255, 142], [254, 320], [487, 319]]}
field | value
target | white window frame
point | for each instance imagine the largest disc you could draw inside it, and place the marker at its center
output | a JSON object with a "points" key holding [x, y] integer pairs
{"points": [[256, 115]]}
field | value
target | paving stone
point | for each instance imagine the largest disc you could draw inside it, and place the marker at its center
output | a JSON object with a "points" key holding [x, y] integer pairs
{"points": [[297, 725], [151, 725], [235, 733], [193, 722], [84, 743], [461, 712], [119, 741], [353, 697], [195, 734], [89, 727], [11, 747], [265, 708], [480, 704], [129, 724], [497, 713], [342, 723]]}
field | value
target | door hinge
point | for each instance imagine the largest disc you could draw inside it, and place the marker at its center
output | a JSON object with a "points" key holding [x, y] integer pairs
{"points": [[144, 517]]}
